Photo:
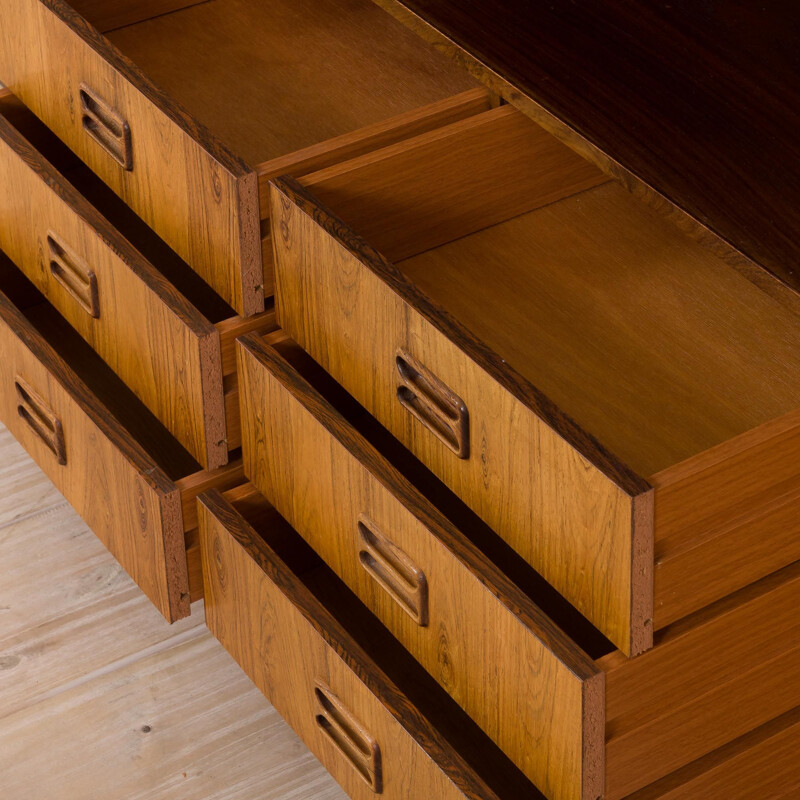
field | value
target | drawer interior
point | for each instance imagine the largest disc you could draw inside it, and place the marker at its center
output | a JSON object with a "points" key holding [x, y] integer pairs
{"points": [[647, 339], [459, 730], [276, 76], [580, 630]]}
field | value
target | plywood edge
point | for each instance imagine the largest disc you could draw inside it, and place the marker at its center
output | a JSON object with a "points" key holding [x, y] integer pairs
{"points": [[642, 573], [241, 281], [176, 569], [369, 138], [248, 280], [287, 190], [213, 407], [593, 774]]}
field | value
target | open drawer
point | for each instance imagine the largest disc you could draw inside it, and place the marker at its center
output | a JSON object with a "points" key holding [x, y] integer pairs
{"points": [[162, 330], [111, 459], [621, 406], [217, 101], [352, 694], [577, 717]]}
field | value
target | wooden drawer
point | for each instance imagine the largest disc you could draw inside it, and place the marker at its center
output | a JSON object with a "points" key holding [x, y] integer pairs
{"points": [[601, 722], [216, 101], [621, 406], [173, 357], [113, 461], [330, 673]]}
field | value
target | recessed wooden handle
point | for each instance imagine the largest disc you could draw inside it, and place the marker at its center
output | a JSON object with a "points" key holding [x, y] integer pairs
{"points": [[106, 126], [348, 736], [394, 571], [433, 403], [74, 275], [40, 419]]}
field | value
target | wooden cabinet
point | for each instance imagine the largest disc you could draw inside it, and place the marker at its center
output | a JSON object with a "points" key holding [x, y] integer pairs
{"points": [[510, 496], [619, 404]]}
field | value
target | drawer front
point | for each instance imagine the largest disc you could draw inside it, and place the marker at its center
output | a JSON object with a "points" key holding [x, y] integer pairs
{"points": [[189, 188], [118, 490], [155, 340], [494, 440], [473, 631], [370, 737]]}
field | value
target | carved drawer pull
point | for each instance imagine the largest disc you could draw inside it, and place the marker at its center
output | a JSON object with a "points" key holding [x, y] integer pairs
{"points": [[40, 419], [74, 275], [106, 126], [348, 736], [433, 403], [394, 571]]}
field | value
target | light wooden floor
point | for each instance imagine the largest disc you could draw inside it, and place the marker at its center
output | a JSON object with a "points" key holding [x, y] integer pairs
{"points": [[100, 699]]}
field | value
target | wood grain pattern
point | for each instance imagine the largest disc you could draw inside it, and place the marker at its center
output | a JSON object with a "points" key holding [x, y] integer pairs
{"points": [[652, 344], [230, 329], [46, 51], [120, 491], [106, 15], [358, 67], [604, 77], [656, 348], [155, 340], [370, 138], [84, 650], [326, 480], [415, 195], [710, 678], [286, 641], [726, 517], [762, 763], [573, 521]]}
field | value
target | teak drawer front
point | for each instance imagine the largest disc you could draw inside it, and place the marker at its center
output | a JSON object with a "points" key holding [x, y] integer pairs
{"points": [[200, 198], [129, 503], [150, 335], [370, 736], [500, 657], [480, 427]]}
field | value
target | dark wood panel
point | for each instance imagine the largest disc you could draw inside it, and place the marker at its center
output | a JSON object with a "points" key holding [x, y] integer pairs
{"points": [[695, 102]]}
